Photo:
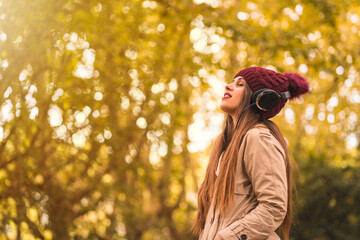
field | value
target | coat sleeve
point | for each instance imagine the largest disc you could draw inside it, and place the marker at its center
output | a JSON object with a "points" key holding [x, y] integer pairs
{"points": [[264, 162]]}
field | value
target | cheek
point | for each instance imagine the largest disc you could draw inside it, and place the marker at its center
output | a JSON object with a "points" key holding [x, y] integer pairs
{"points": [[238, 97]]}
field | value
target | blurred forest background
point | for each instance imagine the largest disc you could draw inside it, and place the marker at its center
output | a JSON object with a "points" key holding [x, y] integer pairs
{"points": [[108, 110]]}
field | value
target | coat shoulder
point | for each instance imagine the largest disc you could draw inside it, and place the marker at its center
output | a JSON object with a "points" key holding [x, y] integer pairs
{"points": [[258, 130]]}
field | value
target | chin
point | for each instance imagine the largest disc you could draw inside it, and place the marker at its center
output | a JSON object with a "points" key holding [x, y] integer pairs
{"points": [[225, 109]]}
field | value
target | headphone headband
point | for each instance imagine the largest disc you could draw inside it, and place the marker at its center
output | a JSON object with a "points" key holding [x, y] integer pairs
{"points": [[285, 95]]}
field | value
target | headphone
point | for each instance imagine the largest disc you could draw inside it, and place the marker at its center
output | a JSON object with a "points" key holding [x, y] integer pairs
{"points": [[265, 99]]}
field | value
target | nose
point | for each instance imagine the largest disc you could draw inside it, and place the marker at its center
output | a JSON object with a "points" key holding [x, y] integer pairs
{"points": [[228, 86]]}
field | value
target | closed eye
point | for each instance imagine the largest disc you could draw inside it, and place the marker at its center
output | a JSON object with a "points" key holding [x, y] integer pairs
{"points": [[239, 80]]}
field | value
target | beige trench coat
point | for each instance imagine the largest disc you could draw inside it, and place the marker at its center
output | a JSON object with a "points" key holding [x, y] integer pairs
{"points": [[260, 192]]}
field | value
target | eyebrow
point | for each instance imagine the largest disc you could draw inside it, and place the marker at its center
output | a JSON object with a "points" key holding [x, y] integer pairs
{"points": [[239, 79]]}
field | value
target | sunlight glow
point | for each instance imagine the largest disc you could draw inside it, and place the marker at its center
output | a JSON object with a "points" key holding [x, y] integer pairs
{"points": [[1, 133], [165, 118], [100, 138], [321, 116], [195, 34], [354, 96], [194, 81], [289, 115], [242, 16], [173, 85], [131, 54], [4, 64], [125, 103], [57, 93], [169, 96], [85, 68], [154, 158], [7, 92], [349, 59], [3, 36], [107, 179], [310, 129], [201, 135], [212, 3], [163, 149], [34, 112], [288, 59], [206, 39], [340, 70], [29, 99], [149, 4], [201, 44], [314, 36], [60, 132], [98, 96], [95, 113], [354, 18], [333, 101], [299, 9], [178, 137], [80, 137], [303, 68], [331, 118], [215, 48], [6, 111], [137, 94], [293, 15], [107, 134], [141, 122], [351, 141], [161, 27], [80, 117], [333, 128], [55, 116], [133, 73], [309, 112]]}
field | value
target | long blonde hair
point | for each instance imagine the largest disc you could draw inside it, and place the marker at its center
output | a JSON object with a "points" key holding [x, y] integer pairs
{"points": [[228, 142]]}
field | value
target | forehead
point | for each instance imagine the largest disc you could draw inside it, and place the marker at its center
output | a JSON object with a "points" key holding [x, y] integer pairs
{"points": [[239, 78]]}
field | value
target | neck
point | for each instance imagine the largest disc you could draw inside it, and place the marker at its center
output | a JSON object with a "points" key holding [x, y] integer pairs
{"points": [[234, 118]]}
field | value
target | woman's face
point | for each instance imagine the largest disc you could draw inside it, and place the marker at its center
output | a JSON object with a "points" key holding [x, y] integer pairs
{"points": [[233, 95]]}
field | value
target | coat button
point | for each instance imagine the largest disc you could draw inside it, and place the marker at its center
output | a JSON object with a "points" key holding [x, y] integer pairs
{"points": [[243, 237]]}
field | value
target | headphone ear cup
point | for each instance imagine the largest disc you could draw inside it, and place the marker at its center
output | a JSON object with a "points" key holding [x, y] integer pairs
{"points": [[266, 99], [255, 95]]}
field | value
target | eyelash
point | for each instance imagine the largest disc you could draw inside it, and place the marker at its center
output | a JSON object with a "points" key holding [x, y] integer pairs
{"points": [[241, 84]]}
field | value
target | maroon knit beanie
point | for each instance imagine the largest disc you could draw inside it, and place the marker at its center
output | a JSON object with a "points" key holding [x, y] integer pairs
{"points": [[258, 78]]}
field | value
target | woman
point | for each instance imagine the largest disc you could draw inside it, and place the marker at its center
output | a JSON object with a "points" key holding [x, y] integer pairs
{"points": [[246, 193]]}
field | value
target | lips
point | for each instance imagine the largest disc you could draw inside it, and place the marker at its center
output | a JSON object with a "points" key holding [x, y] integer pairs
{"points": [[226, 95]]}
